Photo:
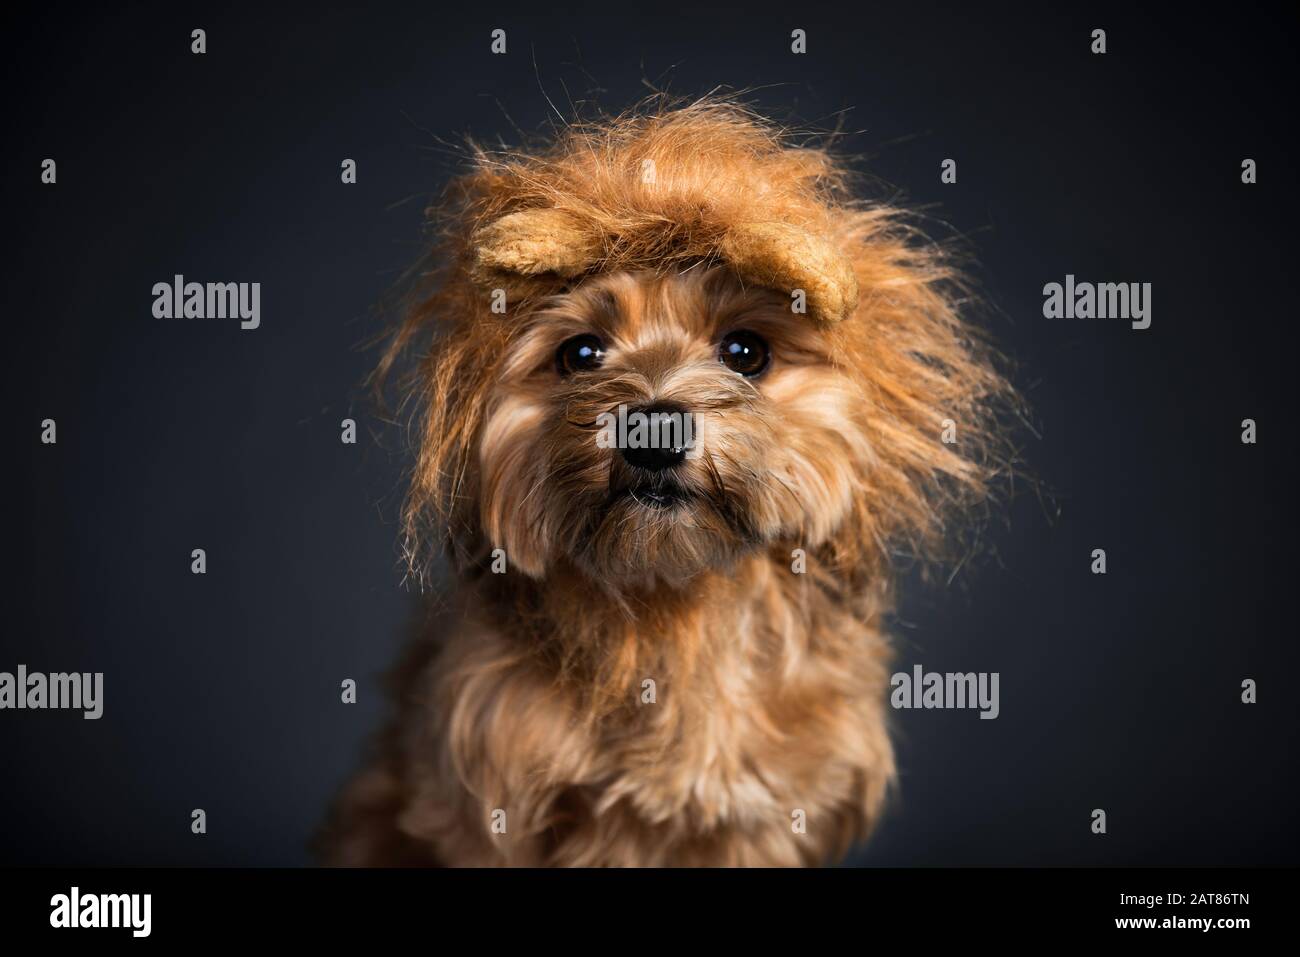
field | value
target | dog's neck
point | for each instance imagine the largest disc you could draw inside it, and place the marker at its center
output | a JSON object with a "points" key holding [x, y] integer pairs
{"points": [[722, 623]]}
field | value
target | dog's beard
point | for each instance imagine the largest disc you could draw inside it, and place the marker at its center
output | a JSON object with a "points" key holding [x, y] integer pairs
{"points": [[663, 527]]}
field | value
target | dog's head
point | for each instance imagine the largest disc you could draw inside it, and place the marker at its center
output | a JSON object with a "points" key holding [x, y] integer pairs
{"points": [[674, 339]]}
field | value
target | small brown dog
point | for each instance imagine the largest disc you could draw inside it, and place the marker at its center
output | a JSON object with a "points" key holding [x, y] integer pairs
{"points": [[664, 658]]}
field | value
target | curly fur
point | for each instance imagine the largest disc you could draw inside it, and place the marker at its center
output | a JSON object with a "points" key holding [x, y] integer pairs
{"points": [[768, 685]]}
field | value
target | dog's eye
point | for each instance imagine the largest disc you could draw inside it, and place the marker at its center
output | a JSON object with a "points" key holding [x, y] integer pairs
{"points": [[580, 354], [744, 352]]}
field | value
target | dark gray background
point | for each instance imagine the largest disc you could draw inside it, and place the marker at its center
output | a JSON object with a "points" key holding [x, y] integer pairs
{"points": [[222, 691]]}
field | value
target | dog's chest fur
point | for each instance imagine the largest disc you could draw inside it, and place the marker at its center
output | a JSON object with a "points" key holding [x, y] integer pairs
{"points": [[742, 724]]}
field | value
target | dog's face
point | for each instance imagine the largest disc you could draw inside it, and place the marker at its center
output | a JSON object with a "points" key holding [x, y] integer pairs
{"points": [[764, 443], [858, 427]]}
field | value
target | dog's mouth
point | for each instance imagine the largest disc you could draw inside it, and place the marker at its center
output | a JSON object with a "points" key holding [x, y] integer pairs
{"points": [[655, 498], [650, 495]]}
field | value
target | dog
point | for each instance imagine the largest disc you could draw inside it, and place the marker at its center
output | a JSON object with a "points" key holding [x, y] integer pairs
{"points": [[652, 658]]}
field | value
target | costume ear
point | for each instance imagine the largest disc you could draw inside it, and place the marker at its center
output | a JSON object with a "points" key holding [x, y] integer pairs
{"points": [[536, 241], [784, 257]]}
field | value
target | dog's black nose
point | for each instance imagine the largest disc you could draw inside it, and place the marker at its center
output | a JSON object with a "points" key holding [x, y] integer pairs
{"points": [[661, 443], [653, 460]]}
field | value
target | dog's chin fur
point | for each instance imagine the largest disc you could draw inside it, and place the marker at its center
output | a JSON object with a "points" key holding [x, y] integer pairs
{"points": [[699, 678], [634, 544]]}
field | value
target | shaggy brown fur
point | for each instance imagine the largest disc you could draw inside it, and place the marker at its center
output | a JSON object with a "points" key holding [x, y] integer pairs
{"points": [[660, 232]]}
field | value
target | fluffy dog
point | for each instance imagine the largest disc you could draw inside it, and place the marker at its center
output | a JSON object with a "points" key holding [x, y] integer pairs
{"points": [[655, 658]]}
